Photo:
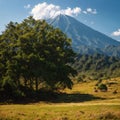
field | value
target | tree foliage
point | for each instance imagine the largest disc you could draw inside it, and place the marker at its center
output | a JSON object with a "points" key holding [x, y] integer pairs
{"points": [[33, 52]]}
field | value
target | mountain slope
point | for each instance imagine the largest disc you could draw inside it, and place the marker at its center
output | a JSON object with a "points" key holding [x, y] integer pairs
{"points": [[82, 36], [97, 66]]}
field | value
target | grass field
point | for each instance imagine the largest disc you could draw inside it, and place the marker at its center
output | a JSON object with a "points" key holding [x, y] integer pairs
{"points": [[60, 112], [80, 103]]}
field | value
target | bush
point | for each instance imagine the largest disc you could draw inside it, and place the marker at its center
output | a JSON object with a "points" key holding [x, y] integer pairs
{"points": [[80, 79], [102, 87]]}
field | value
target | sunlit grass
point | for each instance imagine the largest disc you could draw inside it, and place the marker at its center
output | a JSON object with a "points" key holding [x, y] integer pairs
{"points": [[57, 112], [88, 88], [93, 109]]}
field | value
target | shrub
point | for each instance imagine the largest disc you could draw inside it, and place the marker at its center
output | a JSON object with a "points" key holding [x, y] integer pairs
{"points": [[102, 87], [80, 79]]}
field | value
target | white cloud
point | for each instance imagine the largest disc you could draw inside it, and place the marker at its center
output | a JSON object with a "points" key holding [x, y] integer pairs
{"points": [[44, 11], [27, 6], [85, 12], [116, 33], [90, 11]]}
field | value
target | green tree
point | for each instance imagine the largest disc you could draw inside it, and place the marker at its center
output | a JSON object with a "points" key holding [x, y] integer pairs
{"points": [[33, 52]]}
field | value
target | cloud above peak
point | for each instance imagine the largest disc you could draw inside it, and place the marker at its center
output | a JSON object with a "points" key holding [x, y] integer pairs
{"points": [[45, 11], [92, 11], [116, 33]]}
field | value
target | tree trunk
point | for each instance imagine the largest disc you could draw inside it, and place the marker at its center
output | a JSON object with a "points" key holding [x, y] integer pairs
{"points": [[31, 83], [36, 84], [25, 82]]}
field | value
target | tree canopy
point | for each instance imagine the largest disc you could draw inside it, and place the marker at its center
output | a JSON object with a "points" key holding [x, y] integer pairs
{"points": [[33, 52]]}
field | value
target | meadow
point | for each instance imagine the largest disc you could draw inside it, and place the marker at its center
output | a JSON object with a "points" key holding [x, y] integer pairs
{"points": [[80, 103]]}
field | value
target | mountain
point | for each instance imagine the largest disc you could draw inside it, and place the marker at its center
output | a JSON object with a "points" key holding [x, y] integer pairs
{"points": [[84, 39]]}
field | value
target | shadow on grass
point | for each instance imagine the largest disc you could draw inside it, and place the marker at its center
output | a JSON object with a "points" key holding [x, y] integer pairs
{"points": [[54, 97], [75, 97]]}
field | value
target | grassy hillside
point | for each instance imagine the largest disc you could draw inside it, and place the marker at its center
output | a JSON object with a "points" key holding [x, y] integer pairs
{"points": [[80, 103], [88, 88]]}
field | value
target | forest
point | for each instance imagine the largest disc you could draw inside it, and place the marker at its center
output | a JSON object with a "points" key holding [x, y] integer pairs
{"points": [[96, 66]]}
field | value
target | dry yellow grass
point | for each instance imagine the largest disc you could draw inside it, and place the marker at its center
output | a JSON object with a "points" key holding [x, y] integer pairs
{"points": [[88, 88], [59, 112], [91, 109]]}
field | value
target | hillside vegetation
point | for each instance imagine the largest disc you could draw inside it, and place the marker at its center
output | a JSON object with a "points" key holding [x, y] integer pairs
{"points": [[97, 66]]}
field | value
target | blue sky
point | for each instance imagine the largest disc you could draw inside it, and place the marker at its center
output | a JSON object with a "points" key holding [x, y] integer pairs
{"points": [[101, 15]]}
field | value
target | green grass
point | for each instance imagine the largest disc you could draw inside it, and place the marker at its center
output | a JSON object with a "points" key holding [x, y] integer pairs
{"points": [[80, 103]]}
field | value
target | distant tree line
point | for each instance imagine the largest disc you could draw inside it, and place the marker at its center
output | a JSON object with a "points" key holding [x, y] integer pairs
{"points": [[34, 55], [97, 66]]}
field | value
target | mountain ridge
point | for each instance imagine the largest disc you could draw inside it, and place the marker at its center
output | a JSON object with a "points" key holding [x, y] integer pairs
{"points": [[82, 35]]}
